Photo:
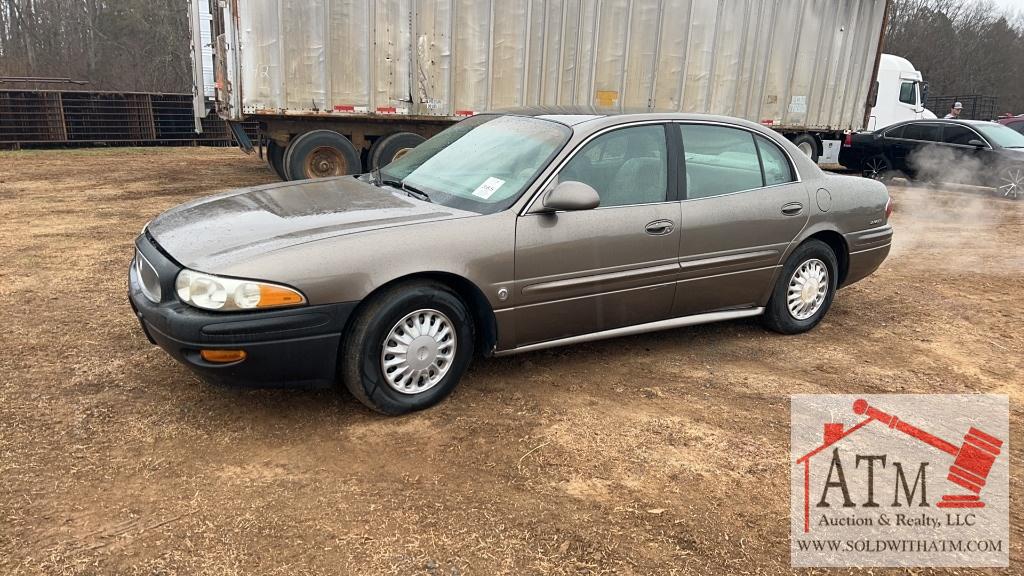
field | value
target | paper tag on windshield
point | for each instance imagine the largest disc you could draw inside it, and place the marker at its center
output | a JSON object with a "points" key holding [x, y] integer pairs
{"points": [[488, 188]]}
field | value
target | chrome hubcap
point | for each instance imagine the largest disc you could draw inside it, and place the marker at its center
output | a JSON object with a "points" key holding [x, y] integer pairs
{"points": [[418, 351], [806, 149], [1012, 183], [807, 289]]}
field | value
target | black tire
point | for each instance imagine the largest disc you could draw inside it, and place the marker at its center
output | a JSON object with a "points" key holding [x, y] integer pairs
{"points": [[392, 147], [878, 168], [777, 315], [360, 368], [275, 158], [808, 143], [320, 154]]}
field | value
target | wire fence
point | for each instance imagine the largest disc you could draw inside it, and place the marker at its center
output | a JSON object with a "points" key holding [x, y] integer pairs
{"points": [[976, 107], [40, 118]]}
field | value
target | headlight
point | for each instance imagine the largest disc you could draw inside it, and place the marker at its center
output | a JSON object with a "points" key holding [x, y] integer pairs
{"points": [[217, 293]]}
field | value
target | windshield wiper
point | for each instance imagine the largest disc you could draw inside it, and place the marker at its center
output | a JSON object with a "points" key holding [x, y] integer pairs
{"points": [[410, 190]]}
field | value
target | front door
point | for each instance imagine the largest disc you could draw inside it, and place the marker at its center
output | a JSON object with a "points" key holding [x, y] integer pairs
{"points": [[586, 271], [743, 208]]}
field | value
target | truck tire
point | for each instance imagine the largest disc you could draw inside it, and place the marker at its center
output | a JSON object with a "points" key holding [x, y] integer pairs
{"points": [[275, 158], [392, 147], [808, 144], [320, 154]]}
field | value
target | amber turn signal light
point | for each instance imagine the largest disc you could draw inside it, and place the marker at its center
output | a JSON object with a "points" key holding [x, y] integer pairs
{"points": [[222, 356]]}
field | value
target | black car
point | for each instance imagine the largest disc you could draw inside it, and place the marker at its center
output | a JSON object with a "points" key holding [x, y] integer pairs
{"points": [[957, 151]]}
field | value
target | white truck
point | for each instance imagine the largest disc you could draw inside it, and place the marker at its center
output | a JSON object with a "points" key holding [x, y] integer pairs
{"points": [[344, 86], [901, 93]]}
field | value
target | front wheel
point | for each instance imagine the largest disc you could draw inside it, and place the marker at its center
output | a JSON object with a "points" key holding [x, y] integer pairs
{"points": [[1011, 183], [408, 348], [804, 291]]}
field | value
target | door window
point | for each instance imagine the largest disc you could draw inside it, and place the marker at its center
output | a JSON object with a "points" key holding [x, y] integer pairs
{"points": [[719, 160], [924, 132], [907, 93], [776, 166], [627, 166], [955, 134]]}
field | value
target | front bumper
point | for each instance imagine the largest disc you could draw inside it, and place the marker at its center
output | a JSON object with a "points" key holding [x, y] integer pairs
{"points": [[296, 347]]}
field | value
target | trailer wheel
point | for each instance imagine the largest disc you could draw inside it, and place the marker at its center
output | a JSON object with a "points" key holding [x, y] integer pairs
{"points": [[392, 147], [808, 145], [320, 154], [275, 158]]}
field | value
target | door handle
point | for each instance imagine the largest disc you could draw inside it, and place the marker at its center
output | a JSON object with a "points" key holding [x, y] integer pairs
{"points": [[792, 209], [660, 227]]}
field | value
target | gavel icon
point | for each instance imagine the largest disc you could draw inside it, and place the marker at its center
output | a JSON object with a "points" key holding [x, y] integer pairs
{"points": [[972, 460]]}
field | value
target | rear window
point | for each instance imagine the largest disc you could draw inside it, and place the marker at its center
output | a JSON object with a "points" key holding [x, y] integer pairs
{"points": [[895, 132]]}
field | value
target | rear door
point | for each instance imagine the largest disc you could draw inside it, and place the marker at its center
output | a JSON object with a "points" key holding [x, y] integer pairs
{"points": [[743, 207], [592, 270], [916, 136]]}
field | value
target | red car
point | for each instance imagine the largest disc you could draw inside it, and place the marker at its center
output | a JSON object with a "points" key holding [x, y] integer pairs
{"points": [[1015, 122]]}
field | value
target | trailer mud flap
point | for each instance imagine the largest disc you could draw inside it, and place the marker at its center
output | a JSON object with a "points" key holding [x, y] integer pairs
{"points": [[240, 136]]}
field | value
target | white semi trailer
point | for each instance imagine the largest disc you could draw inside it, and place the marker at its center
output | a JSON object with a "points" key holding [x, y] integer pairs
{"points": [[343, 86]]}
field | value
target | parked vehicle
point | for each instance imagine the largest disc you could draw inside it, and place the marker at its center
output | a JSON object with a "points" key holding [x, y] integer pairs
{"points": [[342, 87], [503, 234], [1015, 122], [956, 151], [901, 93]]}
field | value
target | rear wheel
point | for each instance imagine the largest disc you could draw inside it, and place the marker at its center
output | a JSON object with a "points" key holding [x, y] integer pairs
{"points": [[392, 147], [320, 154], [408, 348], [878, 168], [1011, 183], [275, 158], [804, 291]]}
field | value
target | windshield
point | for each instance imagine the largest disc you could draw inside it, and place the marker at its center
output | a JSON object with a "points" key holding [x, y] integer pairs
{"points": [[481, 164], [1002, 136]]}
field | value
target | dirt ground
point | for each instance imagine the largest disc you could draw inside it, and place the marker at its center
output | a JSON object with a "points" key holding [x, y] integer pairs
{"points": [[664, 453]]}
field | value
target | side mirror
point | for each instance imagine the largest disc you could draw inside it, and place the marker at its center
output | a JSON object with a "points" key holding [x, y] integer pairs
{"points": [[572, 195], [977, 143]]}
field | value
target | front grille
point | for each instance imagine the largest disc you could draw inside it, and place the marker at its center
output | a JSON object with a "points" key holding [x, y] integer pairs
{"points": [[149, 280]]}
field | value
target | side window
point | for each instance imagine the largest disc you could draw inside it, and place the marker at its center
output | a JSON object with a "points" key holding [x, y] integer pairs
{"points": [[907, 95], [627, 166], [719, 160], [776, 166], [925, 132], [955, 134], [895, 132]]}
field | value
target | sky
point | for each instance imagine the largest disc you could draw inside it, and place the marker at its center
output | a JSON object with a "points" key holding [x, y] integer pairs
{"points": [[1012, 5]]}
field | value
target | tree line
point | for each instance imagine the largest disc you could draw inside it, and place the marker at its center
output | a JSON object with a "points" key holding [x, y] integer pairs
{"points": [[961, 47]]}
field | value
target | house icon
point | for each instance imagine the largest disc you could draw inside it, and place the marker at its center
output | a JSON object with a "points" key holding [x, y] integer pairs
{"points": [[972, 460]]}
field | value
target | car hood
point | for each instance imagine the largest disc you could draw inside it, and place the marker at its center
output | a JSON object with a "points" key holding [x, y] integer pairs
{"points": [[220, 230]]}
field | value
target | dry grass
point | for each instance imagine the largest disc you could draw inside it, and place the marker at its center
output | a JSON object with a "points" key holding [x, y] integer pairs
{"points": [[664, 453]]}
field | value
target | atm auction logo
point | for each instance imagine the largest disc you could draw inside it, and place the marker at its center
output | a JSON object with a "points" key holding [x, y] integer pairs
{"points": [[900, 480]]}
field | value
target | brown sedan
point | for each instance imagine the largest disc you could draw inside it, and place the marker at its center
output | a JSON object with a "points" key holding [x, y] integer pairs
{"points": [[505, 233]]}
